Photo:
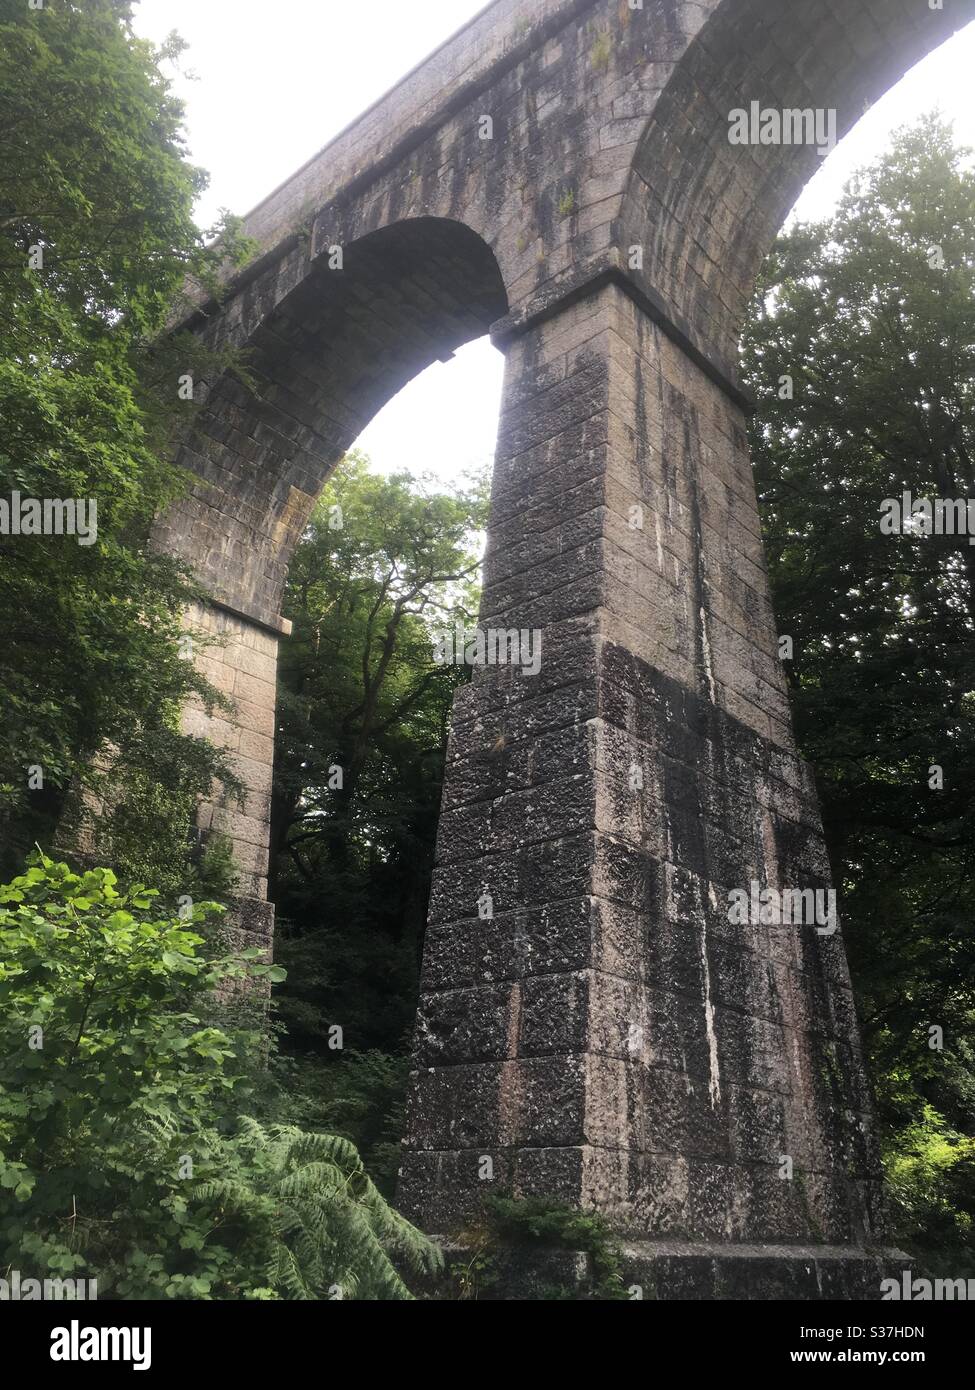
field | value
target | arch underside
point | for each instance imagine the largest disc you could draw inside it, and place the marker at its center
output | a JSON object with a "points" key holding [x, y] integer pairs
{"points": [[705, 210], [313, 374]]}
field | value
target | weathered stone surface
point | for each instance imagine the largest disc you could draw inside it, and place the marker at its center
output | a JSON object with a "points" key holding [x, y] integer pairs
{"points": [[606, 1032], [673, 1271], [702, 1079]]}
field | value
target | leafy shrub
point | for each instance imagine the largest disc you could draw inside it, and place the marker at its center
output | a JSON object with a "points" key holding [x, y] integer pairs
{"points": [[305, 1215], [930, 1171], [123, 1154]]}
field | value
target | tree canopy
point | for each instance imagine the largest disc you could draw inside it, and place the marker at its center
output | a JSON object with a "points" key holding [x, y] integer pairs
{"points": [[97, 239], [861, 348]]}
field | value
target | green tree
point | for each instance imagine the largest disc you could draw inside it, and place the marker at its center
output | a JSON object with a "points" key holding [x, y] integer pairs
{"points": [[96, 243], [382, 565], [871, 316]]}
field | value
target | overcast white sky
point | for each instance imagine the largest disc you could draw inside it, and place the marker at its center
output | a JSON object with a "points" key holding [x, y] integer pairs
{"points": [[275, 82]]}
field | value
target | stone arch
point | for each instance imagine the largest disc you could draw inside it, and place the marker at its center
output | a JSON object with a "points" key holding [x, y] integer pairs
{"points": [[705, 211], [320, 363], [321, 359]]}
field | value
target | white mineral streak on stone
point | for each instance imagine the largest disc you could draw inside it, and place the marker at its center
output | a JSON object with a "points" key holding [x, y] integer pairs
{"points": [[660, 542], [769, 852], [509, 1094], [798, 1115], [706, 650], [714, 1086]]}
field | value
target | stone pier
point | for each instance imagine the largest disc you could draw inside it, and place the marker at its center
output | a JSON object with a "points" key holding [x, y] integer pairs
{"points": [[609, 1035], [242, 665]]}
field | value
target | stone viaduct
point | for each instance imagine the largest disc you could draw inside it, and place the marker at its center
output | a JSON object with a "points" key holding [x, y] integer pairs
{"points": [[560, 174]]}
